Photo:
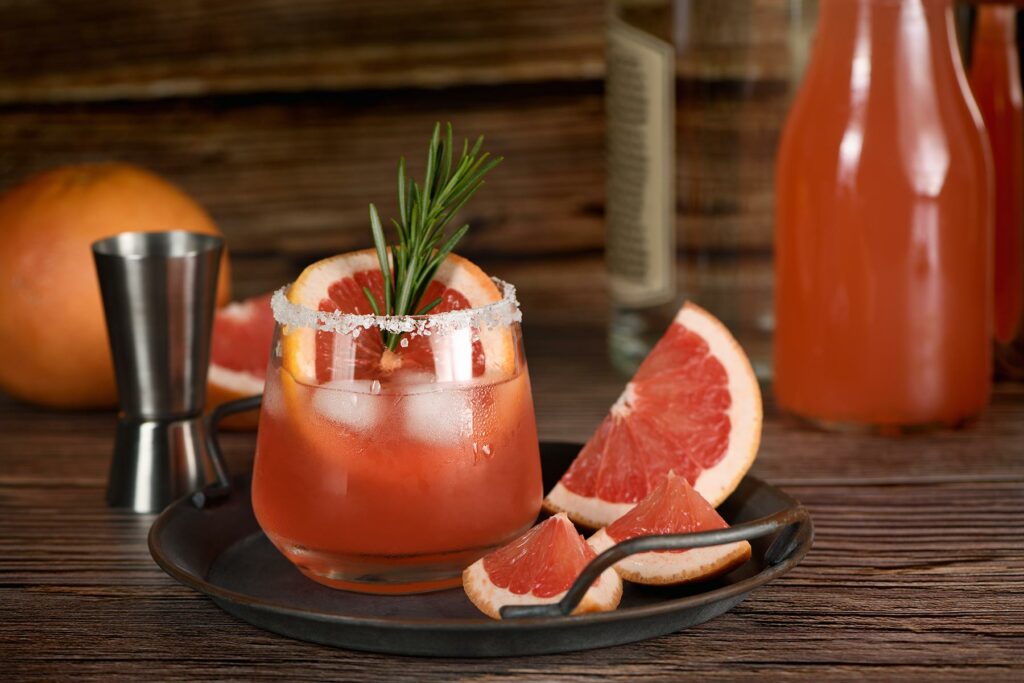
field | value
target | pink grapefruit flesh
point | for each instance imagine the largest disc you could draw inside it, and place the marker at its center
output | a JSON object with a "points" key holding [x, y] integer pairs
{"points": [[347, 296], [336, 284], [240, 350], [673, 507], [693, 408], [539, 567]]}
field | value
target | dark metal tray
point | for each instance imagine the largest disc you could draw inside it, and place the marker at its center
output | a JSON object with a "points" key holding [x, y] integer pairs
{"points": [[212, 543]]}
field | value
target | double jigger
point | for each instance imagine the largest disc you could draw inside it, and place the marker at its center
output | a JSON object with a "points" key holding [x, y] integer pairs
{"points": [[159, 295]]}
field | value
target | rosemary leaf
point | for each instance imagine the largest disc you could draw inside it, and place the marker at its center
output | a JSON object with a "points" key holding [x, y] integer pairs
{"points": [[446, 248], [401, 198], [372, 299], [426, 309], [382, 255], [448, 154], [428, 180], [424, 212]]}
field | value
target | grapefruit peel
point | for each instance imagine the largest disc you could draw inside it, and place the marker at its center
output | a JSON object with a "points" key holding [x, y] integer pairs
{"points": [[602, 596], [662, 568]]}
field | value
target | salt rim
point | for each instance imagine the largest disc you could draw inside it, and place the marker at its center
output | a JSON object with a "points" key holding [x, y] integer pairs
{"points": [[500, 313]]}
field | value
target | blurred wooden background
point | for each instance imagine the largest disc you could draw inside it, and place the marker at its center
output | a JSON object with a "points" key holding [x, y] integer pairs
{"points": [[284, 118]]}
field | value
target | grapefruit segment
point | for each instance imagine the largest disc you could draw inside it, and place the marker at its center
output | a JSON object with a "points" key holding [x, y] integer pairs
{"points": [[693, 408], [336, 285], [538, 568], [239, 354], [673, 507]]}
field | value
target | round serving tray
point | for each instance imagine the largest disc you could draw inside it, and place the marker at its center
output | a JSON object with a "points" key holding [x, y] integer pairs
{"points": [[212, 543]]}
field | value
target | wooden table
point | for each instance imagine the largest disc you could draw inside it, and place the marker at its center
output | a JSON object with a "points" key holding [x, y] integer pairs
{"points": [[917, 570]]}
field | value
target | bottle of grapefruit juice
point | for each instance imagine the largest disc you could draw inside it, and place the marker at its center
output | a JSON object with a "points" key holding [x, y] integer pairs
{"points": [[884, 225], [996, 84]]}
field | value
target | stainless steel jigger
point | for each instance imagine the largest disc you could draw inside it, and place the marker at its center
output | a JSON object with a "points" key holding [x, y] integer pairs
{"points": [[159, 294]]}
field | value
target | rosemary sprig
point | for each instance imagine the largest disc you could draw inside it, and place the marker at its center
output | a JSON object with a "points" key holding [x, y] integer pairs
{"points": [[423, 213]]}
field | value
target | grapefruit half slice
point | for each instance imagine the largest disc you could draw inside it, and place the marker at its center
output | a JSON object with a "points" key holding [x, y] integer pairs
{"points": [[336, 284], [538, 568], [693, 407], [240, 350], [673, 507]]}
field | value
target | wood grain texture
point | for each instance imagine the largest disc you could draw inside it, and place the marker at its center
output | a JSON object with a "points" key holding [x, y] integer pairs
{"points": [[294, 175], [292, 170], [66, 50], [917, 571], [285, 119]]}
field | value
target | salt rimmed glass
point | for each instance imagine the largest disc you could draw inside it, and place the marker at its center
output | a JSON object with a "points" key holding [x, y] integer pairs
{"points": [[391, 471]]}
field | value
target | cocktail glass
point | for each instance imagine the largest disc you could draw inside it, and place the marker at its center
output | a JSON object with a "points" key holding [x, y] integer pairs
{"points": [[391, 471]]}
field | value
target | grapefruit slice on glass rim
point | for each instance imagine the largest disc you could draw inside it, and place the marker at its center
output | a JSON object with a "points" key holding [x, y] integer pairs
{"points": [[336, 284], [673, 507], [693, 407], [239, 352], [538, 568]]}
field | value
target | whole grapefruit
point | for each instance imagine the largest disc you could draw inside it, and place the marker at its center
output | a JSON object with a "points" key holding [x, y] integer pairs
{"points": [[53, 338]]}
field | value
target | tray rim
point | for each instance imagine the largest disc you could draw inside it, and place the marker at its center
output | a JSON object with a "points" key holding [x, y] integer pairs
{"points": [[483, 623]]}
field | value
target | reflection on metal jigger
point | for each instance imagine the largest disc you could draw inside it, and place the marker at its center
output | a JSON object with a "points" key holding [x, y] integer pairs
{"points": [[159, 294]]}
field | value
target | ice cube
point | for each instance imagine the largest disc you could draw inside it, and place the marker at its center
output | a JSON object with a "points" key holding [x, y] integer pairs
{"points": [[412, 381], [453, 355], [351, 403], [441, 416]]}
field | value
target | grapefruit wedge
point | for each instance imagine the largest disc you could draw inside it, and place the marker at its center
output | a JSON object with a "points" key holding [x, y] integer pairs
{"points": [[693, 408], [538, 568], [336, 285], [673, 507], [240, 350]]}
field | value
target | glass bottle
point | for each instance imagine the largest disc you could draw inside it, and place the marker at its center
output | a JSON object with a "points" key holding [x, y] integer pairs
{"points": [[884, 225], [995, 81], [697, 93]]}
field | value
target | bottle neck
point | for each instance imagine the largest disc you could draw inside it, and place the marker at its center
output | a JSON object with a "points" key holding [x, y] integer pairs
{"points": [[996, 24], [886, 21], [891, 39]]}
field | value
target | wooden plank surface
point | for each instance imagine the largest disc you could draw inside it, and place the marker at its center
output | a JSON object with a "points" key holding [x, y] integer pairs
{"points": [[917, 570], [67, 50], [294, 176], [277, 116], [291, 168]]}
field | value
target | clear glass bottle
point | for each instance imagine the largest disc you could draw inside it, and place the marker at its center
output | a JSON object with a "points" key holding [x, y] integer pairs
{"points": [[697, 92]]}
